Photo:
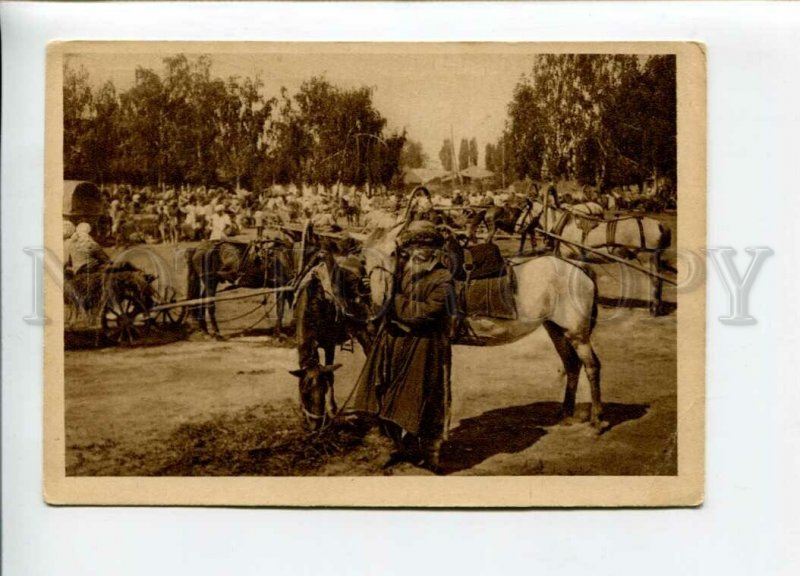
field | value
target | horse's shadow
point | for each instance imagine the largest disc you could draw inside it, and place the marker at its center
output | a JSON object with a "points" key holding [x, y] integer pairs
{"points": [[514, 429]]}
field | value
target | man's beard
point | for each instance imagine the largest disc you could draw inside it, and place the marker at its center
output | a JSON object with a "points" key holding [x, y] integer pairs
{"points": [[417, 266]]}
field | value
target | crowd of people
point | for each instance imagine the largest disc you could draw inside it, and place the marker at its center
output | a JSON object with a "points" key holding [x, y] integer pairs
{"points": [[140, 214], [193, 213]]}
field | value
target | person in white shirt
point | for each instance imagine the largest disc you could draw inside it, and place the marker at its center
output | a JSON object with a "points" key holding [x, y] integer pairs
{"points": [[220, 223], [258, 217], [366, 203]]}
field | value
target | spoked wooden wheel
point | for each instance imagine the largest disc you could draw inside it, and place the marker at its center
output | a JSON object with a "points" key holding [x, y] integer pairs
{"points": [[125, 320], [170, 317]]}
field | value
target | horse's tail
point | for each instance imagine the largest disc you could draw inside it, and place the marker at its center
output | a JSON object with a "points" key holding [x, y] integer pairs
{"points": [[593, 319], [665, 240]]}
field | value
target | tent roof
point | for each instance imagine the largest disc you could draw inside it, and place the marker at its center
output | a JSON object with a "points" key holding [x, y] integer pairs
{"points": [[423, 175], [476, 173]]}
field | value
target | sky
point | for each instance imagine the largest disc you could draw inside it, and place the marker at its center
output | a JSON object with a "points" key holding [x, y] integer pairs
{"points": [[426, 91]]}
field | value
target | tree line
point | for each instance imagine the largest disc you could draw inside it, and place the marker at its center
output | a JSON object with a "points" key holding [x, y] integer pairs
{"points": [[602, 120], [184, 126], [467, 154]]}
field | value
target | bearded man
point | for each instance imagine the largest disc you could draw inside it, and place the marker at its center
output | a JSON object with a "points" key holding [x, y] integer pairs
{"points": [[406, 378]]}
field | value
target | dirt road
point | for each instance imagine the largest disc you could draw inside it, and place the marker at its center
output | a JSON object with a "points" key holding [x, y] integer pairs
{"points": [[126, 409], [192, 406]]}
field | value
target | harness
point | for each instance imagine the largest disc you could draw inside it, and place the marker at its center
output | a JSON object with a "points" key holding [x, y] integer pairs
{"points": [[611, 232], [611, 227]]}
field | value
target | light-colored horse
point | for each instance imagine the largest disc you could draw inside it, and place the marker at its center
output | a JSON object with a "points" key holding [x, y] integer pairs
{"points": [[551, 292], [379, 219], [623, 237]]}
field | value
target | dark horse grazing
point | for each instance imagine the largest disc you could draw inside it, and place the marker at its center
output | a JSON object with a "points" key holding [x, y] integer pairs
{"points": [[330, 310], [257, 264], [510, 219]]}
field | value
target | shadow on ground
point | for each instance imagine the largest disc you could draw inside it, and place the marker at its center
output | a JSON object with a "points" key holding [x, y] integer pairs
{"points": [[94, 338], [666, 306], [514, 429]]}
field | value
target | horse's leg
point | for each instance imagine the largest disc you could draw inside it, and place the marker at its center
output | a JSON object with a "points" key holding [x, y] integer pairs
{"points": [[572, 366], [330, 355], [212, 308], [280, 304], [492, 227], [197, 289], [200, 313], [656, 307], [591, 364]]}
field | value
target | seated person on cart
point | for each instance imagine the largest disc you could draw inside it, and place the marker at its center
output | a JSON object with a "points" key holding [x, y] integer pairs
{"points": [[84, 254]]}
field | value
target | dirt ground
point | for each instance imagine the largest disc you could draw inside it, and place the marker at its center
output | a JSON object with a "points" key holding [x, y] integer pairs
{"points": [[183, 405]]}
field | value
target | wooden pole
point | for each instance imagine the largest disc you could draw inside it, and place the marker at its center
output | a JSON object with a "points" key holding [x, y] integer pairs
{"points": [[545, 202], [196, 301], [609, 257], [455, 165], [503, 168]]}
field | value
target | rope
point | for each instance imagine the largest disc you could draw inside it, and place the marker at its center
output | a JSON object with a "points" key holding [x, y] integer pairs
{"points": [[339, 412]]}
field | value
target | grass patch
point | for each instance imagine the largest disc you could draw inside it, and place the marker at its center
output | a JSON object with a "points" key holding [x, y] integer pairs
{"points": [[264, 440]]}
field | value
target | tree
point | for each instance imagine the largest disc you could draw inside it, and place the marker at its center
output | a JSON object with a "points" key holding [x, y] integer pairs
{"points": [[446, 155], [184, 125], [144, 116], [386, 160], [526, 124], [473, 152], [585, 117], [290, 145], [463, 154], [413, 156], [340, 134], [242, 132], [488, 157], [77, 95], [103, 134]]}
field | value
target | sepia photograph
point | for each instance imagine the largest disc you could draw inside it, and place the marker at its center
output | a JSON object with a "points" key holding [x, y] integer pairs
{"points": [[420, 274]]}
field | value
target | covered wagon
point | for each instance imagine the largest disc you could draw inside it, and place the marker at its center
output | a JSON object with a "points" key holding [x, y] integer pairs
{"points": [[84, 202]]}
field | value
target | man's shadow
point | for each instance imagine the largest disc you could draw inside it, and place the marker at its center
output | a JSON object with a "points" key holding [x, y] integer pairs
{"points": [[514, 429]]}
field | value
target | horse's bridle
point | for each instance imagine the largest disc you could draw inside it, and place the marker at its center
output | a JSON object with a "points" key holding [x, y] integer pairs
{"points": [[310, 415]]}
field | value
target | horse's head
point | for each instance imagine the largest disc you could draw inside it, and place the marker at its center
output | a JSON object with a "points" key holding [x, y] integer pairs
{"points": [[380, 263], [316, 389]]}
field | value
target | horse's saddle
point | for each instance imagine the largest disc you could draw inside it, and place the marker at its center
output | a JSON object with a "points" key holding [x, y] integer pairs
{"points": [[479, 262], [486, 285]]}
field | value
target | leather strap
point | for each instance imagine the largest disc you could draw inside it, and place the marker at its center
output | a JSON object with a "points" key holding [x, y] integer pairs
{"points": [[611, 232], [641, 233]]}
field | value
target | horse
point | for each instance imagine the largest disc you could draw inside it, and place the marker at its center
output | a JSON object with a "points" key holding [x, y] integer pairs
{"points": [[550, 292], [258, 264], [509, 219], [379, 219], [623, 237], [587, 208], [330, 310], [352, 211]]}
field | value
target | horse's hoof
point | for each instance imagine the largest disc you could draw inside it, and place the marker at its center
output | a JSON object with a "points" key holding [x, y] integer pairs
{"points": [[599, 426], [220, 338], [571, 420]]}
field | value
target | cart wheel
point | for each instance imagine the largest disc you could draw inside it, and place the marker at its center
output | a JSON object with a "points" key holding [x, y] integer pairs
{"points": [[170, 317], [125, 320]]}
